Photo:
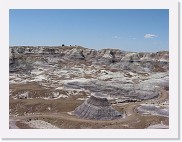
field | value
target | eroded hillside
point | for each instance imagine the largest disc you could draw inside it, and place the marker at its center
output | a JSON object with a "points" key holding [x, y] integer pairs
{"points": [[47, 84]]}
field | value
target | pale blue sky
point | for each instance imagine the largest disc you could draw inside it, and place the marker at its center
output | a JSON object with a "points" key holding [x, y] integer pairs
{"points": [[130, 30]]}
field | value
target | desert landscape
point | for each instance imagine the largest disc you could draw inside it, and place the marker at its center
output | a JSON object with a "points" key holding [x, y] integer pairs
{"points": [[73, 87]]}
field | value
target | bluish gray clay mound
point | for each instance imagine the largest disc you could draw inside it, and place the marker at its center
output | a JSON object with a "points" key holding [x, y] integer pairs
{"points": [[97, 108]]}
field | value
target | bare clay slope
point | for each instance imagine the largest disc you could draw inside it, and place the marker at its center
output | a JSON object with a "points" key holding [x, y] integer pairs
{"points": [[49, 83]]}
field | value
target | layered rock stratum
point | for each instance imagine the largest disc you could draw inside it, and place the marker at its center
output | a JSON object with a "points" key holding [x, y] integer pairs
{"points": [[97, 108], [45, 81]]}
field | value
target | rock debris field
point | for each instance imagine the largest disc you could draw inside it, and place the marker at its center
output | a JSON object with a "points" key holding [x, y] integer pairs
{"points": [[72, 87]]}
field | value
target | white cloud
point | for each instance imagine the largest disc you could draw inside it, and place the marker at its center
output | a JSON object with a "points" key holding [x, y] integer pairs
{"points": [[150, 36], [132, 38], [116, 37], [157, 42]]}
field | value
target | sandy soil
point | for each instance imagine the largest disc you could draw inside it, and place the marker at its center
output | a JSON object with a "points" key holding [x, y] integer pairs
{"points": [[131, 120], [39, 124]]}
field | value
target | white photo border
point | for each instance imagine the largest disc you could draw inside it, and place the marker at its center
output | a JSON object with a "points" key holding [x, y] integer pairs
{"points": [[171, 133]]}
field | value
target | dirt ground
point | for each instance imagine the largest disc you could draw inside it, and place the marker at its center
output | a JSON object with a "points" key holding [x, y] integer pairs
{"points": [[60, 115]]}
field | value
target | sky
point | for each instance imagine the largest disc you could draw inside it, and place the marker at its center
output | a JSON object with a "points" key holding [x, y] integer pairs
{"points": [[141, 30]]}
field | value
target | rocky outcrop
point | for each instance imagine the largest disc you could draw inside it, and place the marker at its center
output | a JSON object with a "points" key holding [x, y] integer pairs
{"points": [[112, 58], [105, 84], [97, 108], [117, 54], [76, 54]]}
